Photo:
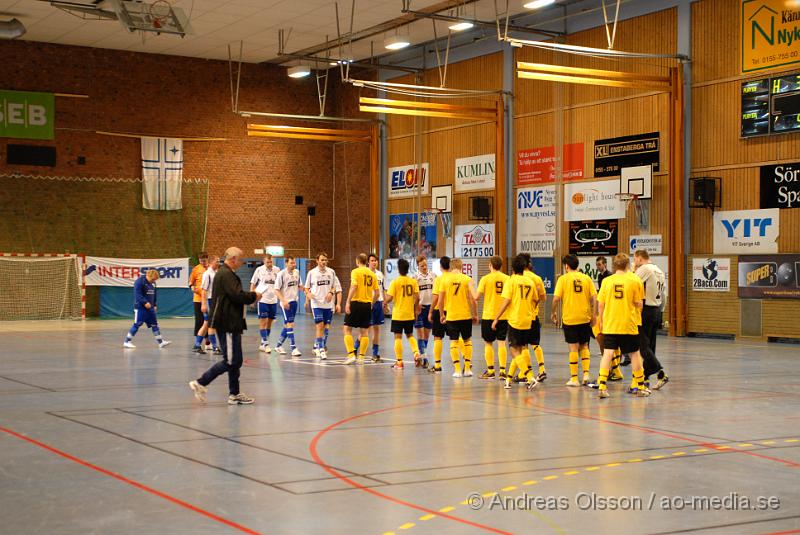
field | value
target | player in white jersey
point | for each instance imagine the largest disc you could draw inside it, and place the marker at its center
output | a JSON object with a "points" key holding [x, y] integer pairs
{"points": [[654, 289], [206, 294], [263, 280], [320, 291], [424, 278], [287, 287], [378, 316]]}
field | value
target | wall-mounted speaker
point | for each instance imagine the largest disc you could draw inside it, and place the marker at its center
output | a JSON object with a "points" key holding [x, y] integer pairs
{"points": [[31, 155]]}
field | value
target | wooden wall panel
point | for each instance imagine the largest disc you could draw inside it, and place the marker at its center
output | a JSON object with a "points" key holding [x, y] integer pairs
{"points": [[716, 51], [778, 317]]}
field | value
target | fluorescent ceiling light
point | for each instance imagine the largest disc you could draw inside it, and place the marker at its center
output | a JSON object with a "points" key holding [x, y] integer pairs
{"points": [[460, 26], [299, 71], [396, 42], [536, 4]]}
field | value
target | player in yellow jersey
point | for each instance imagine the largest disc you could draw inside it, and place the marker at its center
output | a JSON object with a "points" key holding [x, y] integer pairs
{"points": [[358, 308], [458, 311], [404, 291], [491, 287], [577, 297], [536, 326], [620, 301], [521, 299], [434, 317]]}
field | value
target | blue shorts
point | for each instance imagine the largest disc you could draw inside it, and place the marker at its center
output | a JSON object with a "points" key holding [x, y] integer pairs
{"points": [[377, 313], [146, 316], [208, 309], [422, 320], [288, 315], [267, 310], [322, 315]]}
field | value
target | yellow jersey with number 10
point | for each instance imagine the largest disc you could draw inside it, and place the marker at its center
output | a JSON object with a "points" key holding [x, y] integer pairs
{"points": [[403, 289]]}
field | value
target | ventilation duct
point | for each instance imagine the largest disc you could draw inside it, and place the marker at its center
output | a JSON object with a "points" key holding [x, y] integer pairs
{"points": [[11, 29]]}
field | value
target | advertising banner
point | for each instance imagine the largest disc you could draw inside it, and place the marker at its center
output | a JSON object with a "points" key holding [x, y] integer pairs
{"points": [[780, 186], [538, 166], [769, 34], [711, 274], [27, 115], [174, 272], [403, 180], [593, 200], [611, 155], [475, 241], [650, 243], [769, 276], [536, 221], [403, 235], [475, 173], [593, 238], [746, 231]]}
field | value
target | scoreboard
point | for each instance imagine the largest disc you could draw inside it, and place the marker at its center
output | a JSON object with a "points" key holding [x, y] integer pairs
{"points": [[771, 105]]}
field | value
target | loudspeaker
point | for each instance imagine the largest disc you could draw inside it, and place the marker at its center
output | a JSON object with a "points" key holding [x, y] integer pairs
{"points": [[312, 210], [31, 155], [298, 199], [480, 208], [705, 191]]}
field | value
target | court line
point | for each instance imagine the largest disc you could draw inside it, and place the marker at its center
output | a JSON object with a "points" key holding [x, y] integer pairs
{"points": [[312, 448], [735, 524], [136, 484]]}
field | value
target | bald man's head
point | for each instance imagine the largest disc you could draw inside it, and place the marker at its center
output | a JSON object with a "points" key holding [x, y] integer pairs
{"points": [[233, 258]]}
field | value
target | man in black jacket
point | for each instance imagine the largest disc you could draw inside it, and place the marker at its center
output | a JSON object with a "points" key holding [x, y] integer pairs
{"points": [[227, 317]]}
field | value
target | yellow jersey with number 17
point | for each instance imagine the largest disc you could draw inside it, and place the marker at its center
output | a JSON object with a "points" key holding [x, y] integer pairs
{"points": [[456, 288], [365, 282], [521, 290], [403, 289], [491, 286], [538, 284]]}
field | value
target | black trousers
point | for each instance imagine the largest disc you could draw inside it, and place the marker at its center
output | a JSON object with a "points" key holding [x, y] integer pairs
{"points": [[651, 363], [198, 320], [651, 321], [230, 364]]}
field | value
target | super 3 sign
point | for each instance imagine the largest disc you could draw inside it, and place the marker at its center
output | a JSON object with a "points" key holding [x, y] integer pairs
{"points": [[403, 180]]}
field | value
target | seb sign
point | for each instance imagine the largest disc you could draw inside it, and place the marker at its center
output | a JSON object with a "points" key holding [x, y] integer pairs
{"points": [[403, 180], [27, 115], [746, 231]]}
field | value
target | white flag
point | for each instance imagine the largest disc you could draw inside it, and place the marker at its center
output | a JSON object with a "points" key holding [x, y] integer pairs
{"points": [[162, 173]]}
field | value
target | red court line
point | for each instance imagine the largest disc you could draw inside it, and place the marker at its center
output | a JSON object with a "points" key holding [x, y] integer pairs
{"points": [[784, 532], [312, 448], [136, 484]]}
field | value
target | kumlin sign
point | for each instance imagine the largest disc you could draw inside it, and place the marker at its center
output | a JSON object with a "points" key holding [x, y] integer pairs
{"points": [[475, 173], [770, 34], [403, 180]]}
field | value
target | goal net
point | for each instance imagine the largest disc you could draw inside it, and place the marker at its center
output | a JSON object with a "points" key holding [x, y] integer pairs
{"points": [[38, 288]]}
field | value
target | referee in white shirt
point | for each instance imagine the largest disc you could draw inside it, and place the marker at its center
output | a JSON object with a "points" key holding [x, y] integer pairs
{"points": [[654, 288]]}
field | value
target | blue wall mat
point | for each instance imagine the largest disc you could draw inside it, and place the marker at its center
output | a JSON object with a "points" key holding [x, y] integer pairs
{"points": [[117, 302]]}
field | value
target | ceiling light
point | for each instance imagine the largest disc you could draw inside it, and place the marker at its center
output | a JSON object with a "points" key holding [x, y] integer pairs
{"points": [[460, 26], [299, 71], [536, 4], [396, 42]]}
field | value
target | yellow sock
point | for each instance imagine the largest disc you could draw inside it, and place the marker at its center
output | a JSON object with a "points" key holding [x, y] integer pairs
{"points": [[437, 352], [414, 345], [602, 378], [461, 345], [502, 354], [398, 349], [639, 378], [512, 368], [524, 363], [456, 358], [362, 346], [585, 359], [539, 357], [349, 345], [468, 355], [488, 355], [573, 365]]}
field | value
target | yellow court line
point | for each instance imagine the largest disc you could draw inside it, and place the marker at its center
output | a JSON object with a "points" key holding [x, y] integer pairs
{"points": [[408, 525], [465, 502], [612, 465], [509, 489], [634, 461], [548, 478], [592, 468], [657, 456], [768, 442], [791, 440], [389, 533], [679, 453], [571, 473], [723, 447], [745, 445], [427, 517], [701, 450], [446, 509]]}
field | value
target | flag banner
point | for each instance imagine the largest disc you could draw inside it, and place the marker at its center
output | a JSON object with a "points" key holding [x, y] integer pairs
{"points": [[162, 173], [173, 272]]}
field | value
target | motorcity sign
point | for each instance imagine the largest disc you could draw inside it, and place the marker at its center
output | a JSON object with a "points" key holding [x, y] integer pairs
{"points": [[780, 186], [173, 272], [536, 221], [27, 115], [403, 180]]}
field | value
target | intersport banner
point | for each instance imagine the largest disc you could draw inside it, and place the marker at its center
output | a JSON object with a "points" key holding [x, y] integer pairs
{"points": [[101, 271]]}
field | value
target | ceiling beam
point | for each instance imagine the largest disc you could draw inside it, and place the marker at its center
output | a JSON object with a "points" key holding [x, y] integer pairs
{"points": [[484, 23]]}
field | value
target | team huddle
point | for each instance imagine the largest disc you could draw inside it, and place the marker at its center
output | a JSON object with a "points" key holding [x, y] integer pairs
{"points": [[623, 316]]}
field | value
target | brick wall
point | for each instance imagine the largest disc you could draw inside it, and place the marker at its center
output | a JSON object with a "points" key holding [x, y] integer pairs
{"points": [[251, 182]]}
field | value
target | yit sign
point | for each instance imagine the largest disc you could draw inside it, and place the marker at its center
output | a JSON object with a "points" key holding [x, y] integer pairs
{"points": [[746, 231]]}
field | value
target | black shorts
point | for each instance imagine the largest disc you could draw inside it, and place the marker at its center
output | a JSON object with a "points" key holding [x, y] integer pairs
{"points": [[627, 343], [459, 329], [519, 338], [360, 315], [400, 327], [490, 335], [438, 329], [536, 332], [577, 334]]}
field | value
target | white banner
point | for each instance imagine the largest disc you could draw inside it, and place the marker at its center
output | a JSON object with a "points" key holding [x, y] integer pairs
{"points": [[536, 221], [475, 241], [652, 243], [470, 268], [587, 201], [475, 173], [711, 274], [403, 180], [100, 271], [162, 173], [746, 231]]}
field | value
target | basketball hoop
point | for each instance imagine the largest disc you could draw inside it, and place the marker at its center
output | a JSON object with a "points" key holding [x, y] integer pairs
{"points": [[160, 10], [626, 198]]}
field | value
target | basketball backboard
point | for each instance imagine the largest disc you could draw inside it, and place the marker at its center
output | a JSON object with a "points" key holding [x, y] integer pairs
{"points": [[442, 198], [637, 181]]}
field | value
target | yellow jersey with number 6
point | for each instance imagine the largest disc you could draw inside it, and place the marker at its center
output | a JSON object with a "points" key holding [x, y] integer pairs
{"points": [[575, 289]]}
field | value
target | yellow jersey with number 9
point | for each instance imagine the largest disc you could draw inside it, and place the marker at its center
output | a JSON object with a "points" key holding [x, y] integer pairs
{"points": [[491, 286]]}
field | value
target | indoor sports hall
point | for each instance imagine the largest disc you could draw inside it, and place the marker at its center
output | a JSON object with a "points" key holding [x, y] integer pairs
{"points": [[400, 266]]}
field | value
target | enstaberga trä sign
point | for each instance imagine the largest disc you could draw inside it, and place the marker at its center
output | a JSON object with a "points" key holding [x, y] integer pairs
{"points": [[475, 173], [780, 186], [711, 274]]}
